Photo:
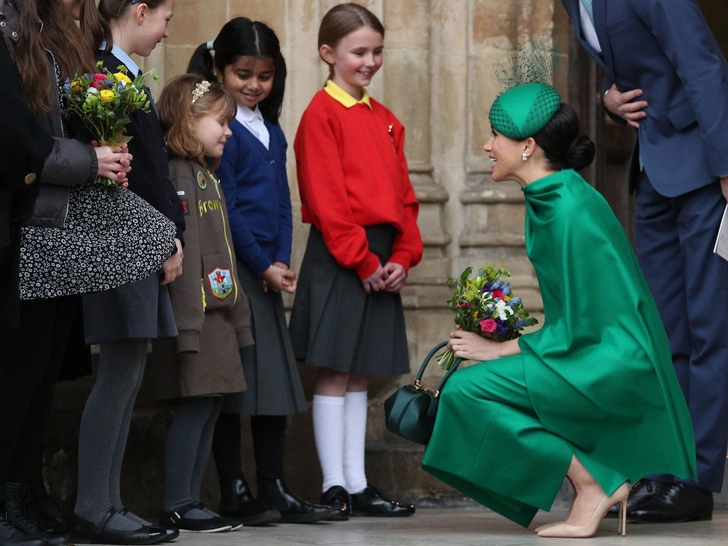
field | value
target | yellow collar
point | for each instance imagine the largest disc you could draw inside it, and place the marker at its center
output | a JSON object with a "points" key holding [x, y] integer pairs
{"points": [[338, 94]]}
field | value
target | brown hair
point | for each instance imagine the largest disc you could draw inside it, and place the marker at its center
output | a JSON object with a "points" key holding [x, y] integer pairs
{"points": [[176, 108], [344, 19], [114, 9], [72, 47]]}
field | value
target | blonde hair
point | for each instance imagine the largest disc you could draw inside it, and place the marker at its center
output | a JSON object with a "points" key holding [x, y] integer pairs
{"points": [[176, 109]]}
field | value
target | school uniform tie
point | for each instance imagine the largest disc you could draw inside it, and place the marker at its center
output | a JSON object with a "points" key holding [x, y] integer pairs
{"points": [[589, 9]]}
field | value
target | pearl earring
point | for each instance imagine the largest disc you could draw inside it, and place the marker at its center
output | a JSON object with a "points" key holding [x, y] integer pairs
{"points": [[525, 157]]}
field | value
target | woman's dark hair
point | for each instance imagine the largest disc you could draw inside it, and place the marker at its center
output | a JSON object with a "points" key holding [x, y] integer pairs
{"points": [[72, 46], [113, 9], [561, 142], [241, 37]]}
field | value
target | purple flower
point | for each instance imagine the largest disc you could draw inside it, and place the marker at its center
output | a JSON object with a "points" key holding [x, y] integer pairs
{"points": [[501, 327], [488, 287]]}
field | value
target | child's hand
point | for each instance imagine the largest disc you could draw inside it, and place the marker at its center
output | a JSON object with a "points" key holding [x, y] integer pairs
{"points": [[396, 277], [279, 279], [172, 268], [376, 281], [292, 284], [113, 163]]}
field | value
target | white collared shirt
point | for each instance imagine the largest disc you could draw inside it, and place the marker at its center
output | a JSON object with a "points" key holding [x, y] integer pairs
{"points": [[128, 62], [253, 121], [587, 28]]}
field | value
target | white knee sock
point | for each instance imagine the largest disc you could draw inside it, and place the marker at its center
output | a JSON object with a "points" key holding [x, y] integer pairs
{"points": [[328, 431], [354, 440]]}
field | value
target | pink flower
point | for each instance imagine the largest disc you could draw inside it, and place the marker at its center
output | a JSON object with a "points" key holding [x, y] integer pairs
{"points": [[98, 78], [463, 304], [488, 325]]}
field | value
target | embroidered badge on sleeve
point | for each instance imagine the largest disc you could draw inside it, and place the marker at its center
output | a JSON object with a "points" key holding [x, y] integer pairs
{"points": [[221, 282]]}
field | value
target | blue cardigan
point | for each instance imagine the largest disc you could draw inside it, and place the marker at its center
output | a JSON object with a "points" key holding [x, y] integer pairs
{"points": [[255, 184]]}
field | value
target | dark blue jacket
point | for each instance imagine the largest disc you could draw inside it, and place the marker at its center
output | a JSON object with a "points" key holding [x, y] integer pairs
{"points": [[255, 183], [665, 48], [149, 175]]}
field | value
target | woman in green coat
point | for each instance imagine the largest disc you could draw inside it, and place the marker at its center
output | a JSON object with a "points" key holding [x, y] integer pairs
{"points": [[592, 395]]}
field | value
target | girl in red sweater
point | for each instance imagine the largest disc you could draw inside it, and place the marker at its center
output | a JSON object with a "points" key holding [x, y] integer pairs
{"points": [[356, 193]]}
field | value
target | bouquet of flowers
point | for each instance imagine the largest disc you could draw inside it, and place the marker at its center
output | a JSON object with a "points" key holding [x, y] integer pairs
{"points": [[104, 101], [485, 305]]}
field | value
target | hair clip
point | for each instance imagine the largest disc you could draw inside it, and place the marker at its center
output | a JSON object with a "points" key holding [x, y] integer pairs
{"points": [[200, 89], [210, 45], [133, 2]]}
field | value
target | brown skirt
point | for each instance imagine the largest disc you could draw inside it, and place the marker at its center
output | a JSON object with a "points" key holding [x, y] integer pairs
{"points": [[215, 370]]}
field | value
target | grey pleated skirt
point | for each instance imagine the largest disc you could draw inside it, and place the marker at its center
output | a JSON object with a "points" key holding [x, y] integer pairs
{"points": [[336, 324], [274, 386], [141, 309]]}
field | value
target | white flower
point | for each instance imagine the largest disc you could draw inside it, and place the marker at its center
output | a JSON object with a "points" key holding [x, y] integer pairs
{"points": [[503, 310], [93, 91]]}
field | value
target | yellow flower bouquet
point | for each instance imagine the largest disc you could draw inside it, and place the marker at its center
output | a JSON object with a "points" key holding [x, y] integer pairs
{"points": [[104, 101]]}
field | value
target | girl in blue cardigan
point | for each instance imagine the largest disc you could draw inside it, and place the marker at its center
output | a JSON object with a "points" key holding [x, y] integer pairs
{"points": [[248, 60]]}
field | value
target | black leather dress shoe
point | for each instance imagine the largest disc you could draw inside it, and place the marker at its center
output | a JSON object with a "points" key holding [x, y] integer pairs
{"points": [[18, 506], [339, 499], [675, 503], [170, 533], [293, 509], [177, 520], [10, 535], [642, 491], [237, 502], [372, 502], [87, 532]]}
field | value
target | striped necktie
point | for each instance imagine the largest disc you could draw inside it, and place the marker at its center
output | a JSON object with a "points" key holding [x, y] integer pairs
{"points": [[589, 9]]}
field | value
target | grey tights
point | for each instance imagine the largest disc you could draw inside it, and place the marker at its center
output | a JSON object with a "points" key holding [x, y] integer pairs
{"points": [[105, 422], [188, 450]]}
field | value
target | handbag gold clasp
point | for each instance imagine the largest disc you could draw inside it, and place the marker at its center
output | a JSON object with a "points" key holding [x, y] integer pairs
{"points": [[419, 387]]}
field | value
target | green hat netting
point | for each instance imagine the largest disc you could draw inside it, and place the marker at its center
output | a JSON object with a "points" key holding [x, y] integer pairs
{"points": [[523, 111]]}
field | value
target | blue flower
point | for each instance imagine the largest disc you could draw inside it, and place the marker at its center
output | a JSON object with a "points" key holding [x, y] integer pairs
{"points": [[500, 326], [67, 86], [515, 301], [497, 284], [119, 87], [506, 289], [521, 324]]}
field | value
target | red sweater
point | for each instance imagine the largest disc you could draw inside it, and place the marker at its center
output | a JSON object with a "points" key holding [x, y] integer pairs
{"points": [[352, 173]]}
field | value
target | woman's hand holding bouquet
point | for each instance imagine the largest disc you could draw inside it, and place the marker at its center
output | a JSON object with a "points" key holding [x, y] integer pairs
{"points": [[484, 305]]}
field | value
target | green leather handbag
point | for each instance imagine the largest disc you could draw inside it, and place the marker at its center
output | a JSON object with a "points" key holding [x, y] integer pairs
{"points": [[410, 412]]}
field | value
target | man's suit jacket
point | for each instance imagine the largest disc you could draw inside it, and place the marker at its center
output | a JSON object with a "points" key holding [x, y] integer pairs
{"points": [[665, 48]]}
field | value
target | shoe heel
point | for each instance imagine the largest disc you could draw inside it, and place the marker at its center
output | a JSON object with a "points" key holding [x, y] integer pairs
{"points": [[623, 517]]}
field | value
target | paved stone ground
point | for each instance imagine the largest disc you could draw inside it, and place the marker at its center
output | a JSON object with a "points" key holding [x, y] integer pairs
{"points": [[460, 527]]}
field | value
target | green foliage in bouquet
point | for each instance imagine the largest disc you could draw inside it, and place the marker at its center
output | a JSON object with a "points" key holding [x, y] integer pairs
{"points": [[485, 304], [104, 101]]}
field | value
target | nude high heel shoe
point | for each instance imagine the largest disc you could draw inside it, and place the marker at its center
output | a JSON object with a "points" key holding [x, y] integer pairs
{"points": [[589, 529], [547, 525]]}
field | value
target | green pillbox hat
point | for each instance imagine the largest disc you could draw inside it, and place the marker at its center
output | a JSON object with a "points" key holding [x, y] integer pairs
{"points": [[523, 111]]}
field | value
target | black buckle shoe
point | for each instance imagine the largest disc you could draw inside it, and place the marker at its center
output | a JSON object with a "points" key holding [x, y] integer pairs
{"points": [[11, 535], [293, 509], [87, 532], [18, 504], [170, 533], [237, 501], [642, 491], [372, 502], [675, 503], [177, 520], [339, 499]]}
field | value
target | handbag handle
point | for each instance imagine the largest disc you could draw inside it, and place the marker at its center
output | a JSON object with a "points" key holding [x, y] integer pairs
{"points": [[428, 358]]}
